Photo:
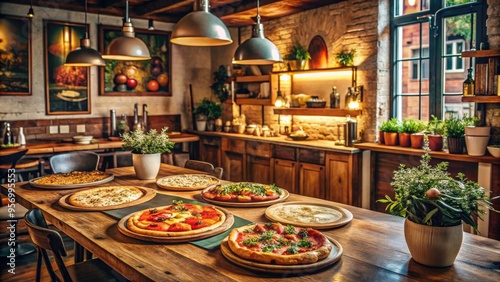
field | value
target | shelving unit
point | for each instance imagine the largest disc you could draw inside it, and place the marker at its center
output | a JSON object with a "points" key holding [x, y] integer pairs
{"points": [[481, 99], [316, 112], [253, 79], [486, 68]]}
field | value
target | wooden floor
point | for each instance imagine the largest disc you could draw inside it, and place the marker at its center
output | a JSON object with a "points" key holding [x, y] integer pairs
{"points": [[25, 268]]}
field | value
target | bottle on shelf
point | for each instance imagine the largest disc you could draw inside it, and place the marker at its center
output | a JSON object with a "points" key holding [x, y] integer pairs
{"points": [[334, 98], [468, 85], [7, 138], [348, 96], [21, 139]]}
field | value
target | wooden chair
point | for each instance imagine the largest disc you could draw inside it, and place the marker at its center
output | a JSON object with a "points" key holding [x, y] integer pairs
{"points": [[50, 240], [68, 162], [204, 166]]}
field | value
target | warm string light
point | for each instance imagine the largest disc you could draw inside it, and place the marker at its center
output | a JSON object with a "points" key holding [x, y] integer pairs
{"points": [[31, 13]]}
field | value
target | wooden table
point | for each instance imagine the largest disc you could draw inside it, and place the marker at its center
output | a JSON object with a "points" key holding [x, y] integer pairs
{"points": [[374, 245]]}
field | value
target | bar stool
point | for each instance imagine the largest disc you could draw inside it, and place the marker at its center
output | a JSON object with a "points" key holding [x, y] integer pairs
{"points": [[27, 167]]}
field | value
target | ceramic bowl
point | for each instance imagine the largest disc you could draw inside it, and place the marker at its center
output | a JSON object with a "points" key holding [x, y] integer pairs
{"points": [[82, 139], [494, 151]]}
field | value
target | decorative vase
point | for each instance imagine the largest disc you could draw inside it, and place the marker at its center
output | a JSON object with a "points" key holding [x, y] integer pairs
{"points": [[417, 141], [294, 65], [201, 125], [146, 166], [433, 246], [381, 137], [404, 139], [456, 145], [391, 138], [435, 142]]}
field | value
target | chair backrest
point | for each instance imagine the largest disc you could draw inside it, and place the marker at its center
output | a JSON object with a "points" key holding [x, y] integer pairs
{"points": [[68, 162], [46, 240], [204, 166], [10, 160]]}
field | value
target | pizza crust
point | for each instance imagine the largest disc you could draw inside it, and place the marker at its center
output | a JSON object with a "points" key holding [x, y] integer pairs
{"points": [[105, 196], [307, 257]]}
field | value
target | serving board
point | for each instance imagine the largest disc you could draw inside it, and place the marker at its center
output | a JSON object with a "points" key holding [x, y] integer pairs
{"points": [[323, 216], [148, 194], [122, 227], [69, 186], [332, 258], [283, 197], [186, 188]]}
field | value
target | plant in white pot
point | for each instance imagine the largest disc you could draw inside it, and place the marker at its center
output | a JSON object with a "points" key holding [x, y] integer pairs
{"points": [[146, 150], [435, 205], [476, 137]]}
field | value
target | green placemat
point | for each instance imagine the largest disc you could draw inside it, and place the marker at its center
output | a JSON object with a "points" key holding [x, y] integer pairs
{"points": [[165, 200]]}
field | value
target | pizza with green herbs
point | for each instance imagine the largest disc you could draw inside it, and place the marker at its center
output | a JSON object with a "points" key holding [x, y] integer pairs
{"points": [[274, 243], [243, 192]]}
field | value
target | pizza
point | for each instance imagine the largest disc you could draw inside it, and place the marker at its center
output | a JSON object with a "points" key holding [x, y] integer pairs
{"points": [[74, 177], [178, 219], [306, 214], [188, 181], [244, 192], [274, 243], [105, 196]]}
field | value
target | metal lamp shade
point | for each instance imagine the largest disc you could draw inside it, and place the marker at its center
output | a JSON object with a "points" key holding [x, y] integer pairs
{"points": [[257, 50], [200, 28], [84, 56], [127, 46]]}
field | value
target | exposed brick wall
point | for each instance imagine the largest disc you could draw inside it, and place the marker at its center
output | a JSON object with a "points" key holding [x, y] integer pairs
{"points": [[493, 27]]}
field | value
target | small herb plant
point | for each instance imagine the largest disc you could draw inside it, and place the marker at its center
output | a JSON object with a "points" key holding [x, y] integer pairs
{"points": [[454, 127], [297, 52], [392, 125], [150, 142], [209, 109], [346, 58], [436, 126], [412, 126], [428, 195]]}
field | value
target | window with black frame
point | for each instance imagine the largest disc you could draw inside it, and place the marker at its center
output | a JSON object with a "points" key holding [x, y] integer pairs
{"points": [[428, 38]]}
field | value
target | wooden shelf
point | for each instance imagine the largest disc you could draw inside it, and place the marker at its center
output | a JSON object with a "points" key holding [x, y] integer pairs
{"points": [[481, 53], [253, 101], [253, 78], [316, 70], [481, 99], [316, 112]]}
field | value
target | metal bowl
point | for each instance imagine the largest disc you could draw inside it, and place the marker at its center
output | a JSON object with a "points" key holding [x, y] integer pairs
{"points": [[316, 104], [298, 138]]}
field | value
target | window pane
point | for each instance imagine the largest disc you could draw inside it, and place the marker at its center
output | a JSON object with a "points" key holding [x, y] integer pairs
{"points": [[453, 105], [415, 107], [405, 7], [453, 82], [450, 3], [425, 69], [409, 36]]}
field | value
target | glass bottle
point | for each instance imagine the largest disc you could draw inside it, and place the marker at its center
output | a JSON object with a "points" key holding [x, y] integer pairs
{"points": [[21, 139], [468, 85], [334, 98], [348, 97], [122, 125], [7, 138]]}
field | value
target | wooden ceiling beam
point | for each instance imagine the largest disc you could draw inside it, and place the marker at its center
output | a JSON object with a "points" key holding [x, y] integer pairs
{"points": [[155, 7]]}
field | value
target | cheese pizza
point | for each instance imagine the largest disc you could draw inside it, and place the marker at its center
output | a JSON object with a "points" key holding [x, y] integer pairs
{"points": [[187, 181], [178, 219], [274, 243], [105, 196], [74, 177]]}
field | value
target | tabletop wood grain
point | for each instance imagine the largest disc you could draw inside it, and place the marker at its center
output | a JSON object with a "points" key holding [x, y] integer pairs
{"points": [[373, 242]]}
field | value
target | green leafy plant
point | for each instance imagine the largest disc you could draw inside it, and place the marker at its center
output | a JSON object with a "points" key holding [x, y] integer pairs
{"points": [[150, 142], [470, 121], [219, 86], [435, 126], [412, 126], [346, 58], [208, 108], [428, 195], [297, 52], [454, 127], [392, 125]]}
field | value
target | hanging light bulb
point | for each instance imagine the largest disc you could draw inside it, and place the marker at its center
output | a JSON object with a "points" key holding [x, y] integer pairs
{"points": [[151, 25], [257, 50], [85, 56], [31, 13], [280, 102], [127, 47], [201, 28]]}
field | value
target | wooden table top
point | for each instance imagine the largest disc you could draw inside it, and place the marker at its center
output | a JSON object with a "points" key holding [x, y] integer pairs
{"points": [[48, 147], [373, 243]]}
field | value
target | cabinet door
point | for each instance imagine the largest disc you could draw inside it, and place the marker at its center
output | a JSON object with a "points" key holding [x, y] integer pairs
{"points": [[342, 179], [312, 180], [234, 166], [210, 150], [258, 169], [285, 174]]}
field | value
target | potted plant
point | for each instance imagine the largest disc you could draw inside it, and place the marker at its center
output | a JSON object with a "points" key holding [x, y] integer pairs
{"points": [[435, 205], [436, 129], [203, 112], [408, 133], [476, 137], [455, 132], [146, 150], [390, 129], [219, 86], [297, 57], [346, 58]]}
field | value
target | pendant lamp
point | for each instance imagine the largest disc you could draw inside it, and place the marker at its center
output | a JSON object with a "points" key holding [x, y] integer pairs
{"points": [[84, 56], [127, 47], [201, 28], [31, 13], [257, 50]]}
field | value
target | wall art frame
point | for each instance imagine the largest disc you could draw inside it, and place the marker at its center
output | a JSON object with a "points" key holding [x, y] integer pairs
{"points": [[67, 88], [137, 78], [16, 59]]}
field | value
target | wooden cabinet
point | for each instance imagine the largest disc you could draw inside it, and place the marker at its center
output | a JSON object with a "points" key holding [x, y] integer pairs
{"points": [[233, 159], [258, 160], [210, 150], [342, 179], [312, 180], [285, 174]]}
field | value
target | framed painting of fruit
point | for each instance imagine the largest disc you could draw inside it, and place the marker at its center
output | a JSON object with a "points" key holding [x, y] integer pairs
{"points": [[136, 78], [67, 88]]}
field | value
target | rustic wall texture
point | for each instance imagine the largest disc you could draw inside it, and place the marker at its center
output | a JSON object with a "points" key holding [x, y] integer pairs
{"points": [[493, 27]]}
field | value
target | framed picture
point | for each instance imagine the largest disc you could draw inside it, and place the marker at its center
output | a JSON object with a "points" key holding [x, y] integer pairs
{"points": [[15, 55], [136, 78], [67, 88]]}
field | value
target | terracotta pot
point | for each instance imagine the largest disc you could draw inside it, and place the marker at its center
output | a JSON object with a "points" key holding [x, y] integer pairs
{"points": [[404, 139], [433, 246], [417, 141], [381, 137], [456, 145], [391, 138], [435, 142], [146, 166]]}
